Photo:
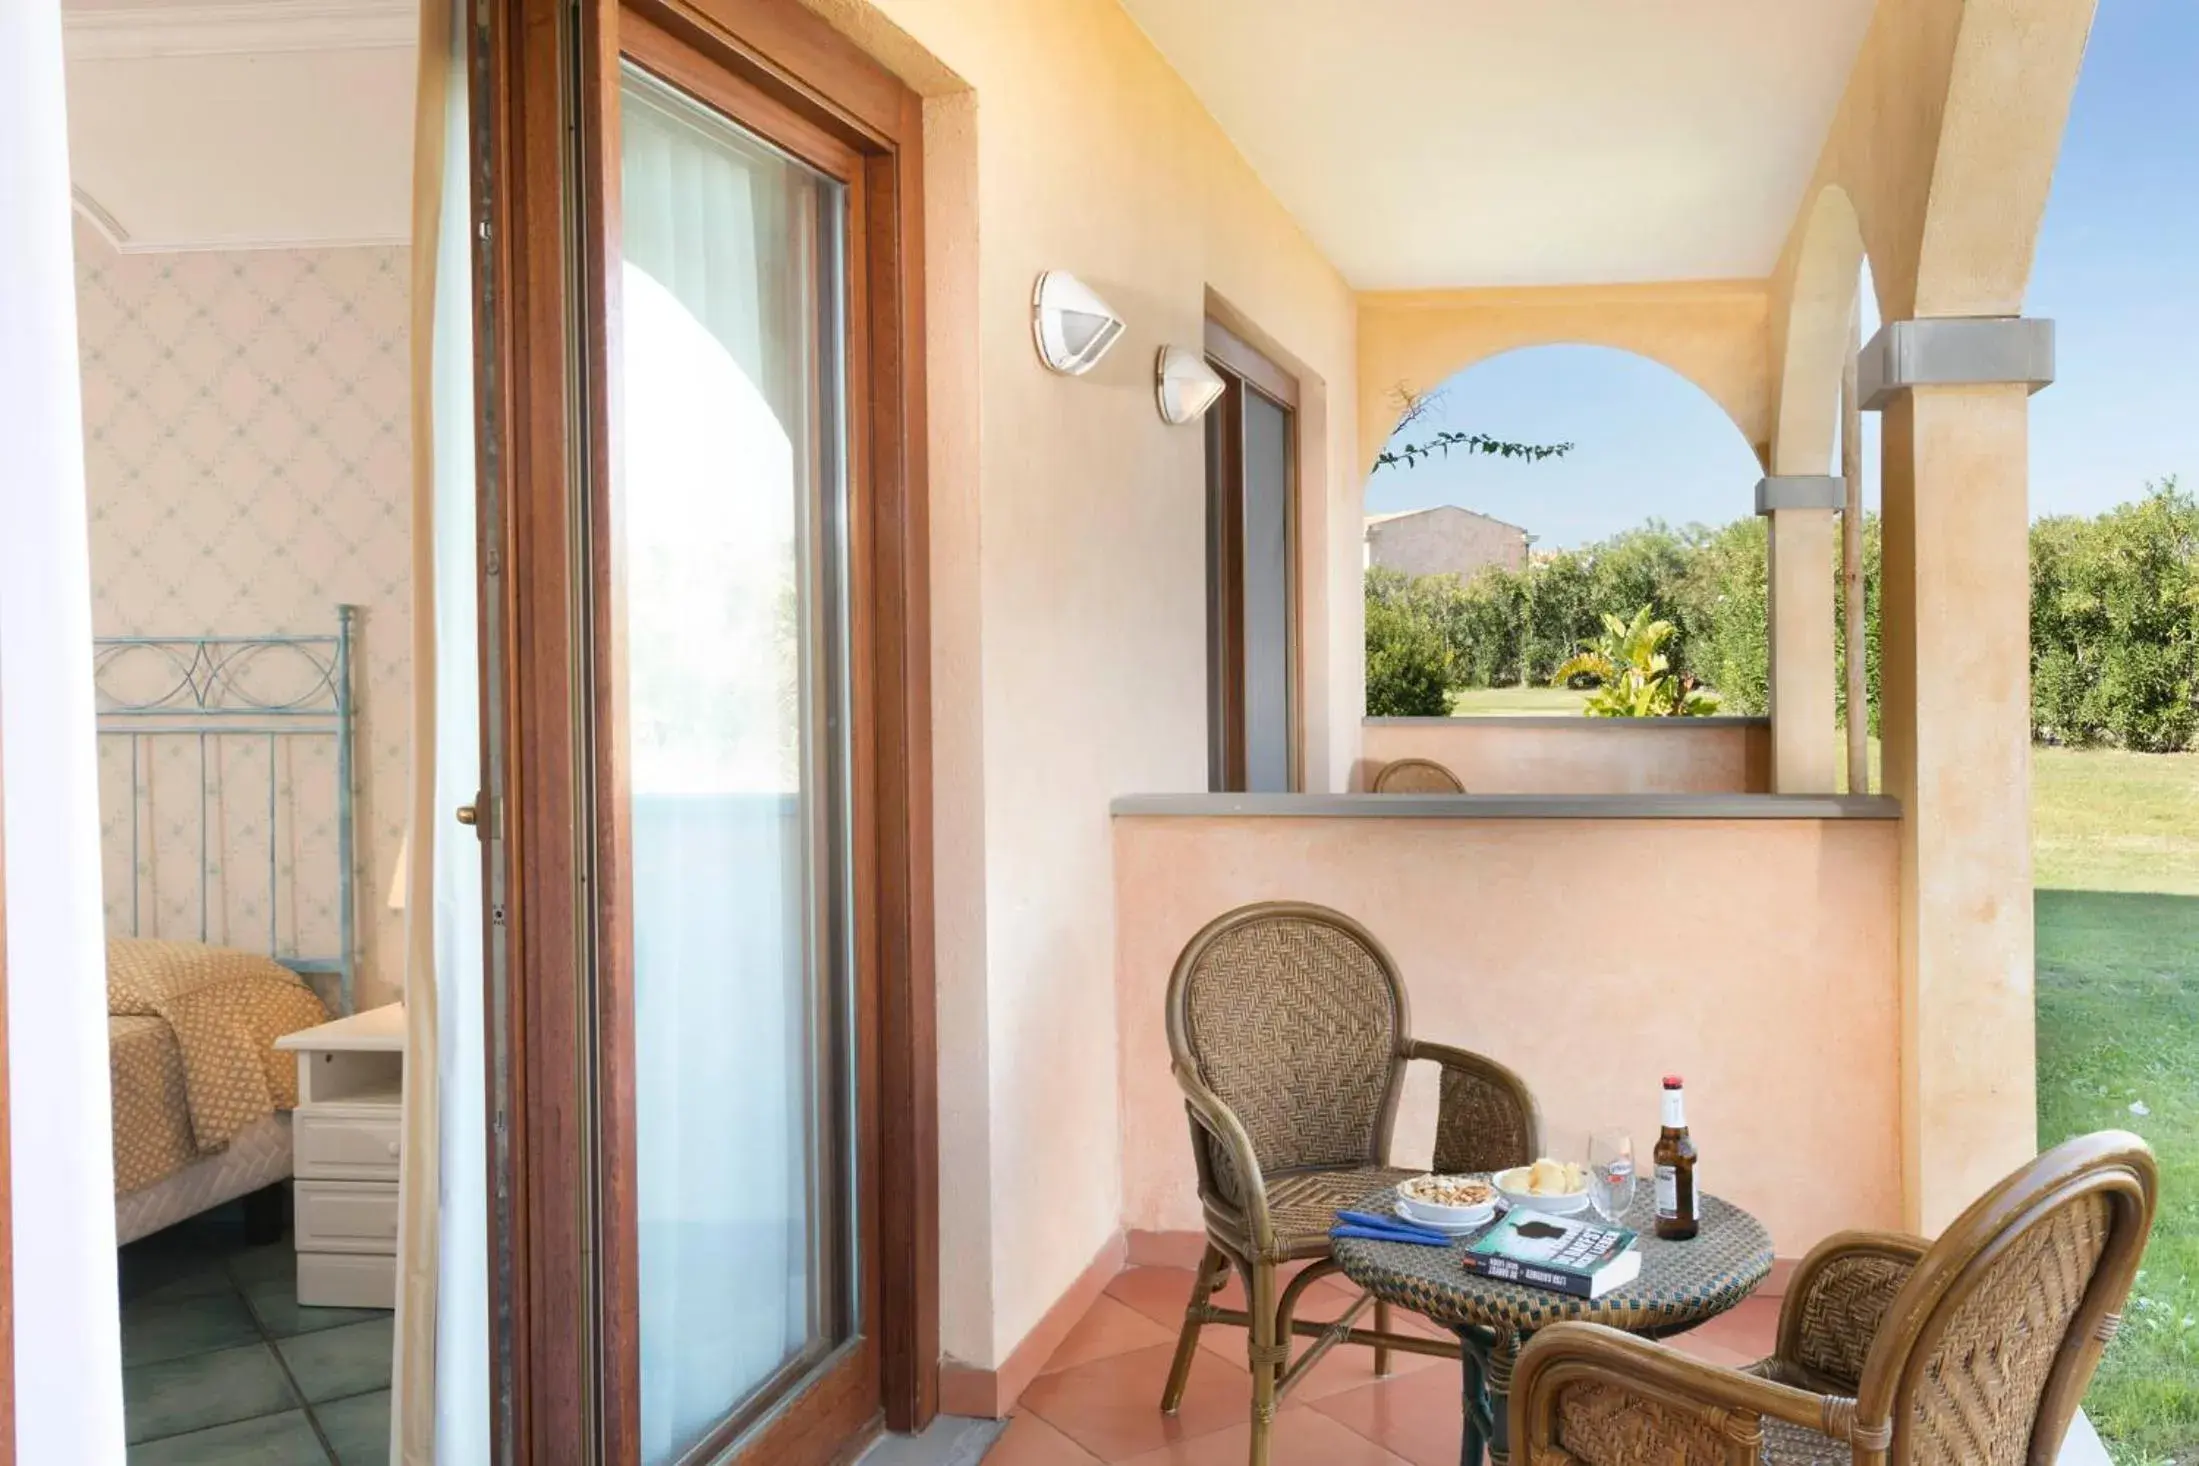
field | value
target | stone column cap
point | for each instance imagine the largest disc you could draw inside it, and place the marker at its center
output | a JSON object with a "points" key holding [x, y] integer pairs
{"points": [[1954, 351], [1801, 491]]}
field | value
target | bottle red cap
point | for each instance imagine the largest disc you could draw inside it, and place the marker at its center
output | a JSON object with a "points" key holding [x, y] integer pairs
{"points": [[1672, 1081]]}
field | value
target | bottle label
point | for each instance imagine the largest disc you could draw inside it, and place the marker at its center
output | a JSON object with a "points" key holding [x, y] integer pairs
{"points": [[1675, 1110], [1668, 1193]]}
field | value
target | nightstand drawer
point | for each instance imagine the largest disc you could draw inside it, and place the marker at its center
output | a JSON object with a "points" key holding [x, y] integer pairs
{"points": [[347, 1280], [346, 1216], [346, 1146]]}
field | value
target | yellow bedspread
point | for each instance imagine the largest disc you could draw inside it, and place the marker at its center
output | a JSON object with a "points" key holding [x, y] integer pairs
{"points": [[192, 1030], [153, 1137]]}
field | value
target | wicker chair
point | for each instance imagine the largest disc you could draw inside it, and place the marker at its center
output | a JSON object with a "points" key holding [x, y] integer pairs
{"points": [[1416, 776], [1972, 1349], [1288, 1027]]}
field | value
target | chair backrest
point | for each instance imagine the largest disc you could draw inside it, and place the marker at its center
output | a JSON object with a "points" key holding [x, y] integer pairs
{"points": [[1416, 776], [1987, 1350], [1294, 1017]]}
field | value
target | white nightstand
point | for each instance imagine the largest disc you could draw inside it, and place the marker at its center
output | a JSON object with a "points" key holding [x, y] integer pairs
{"points": [[346, 1137]]}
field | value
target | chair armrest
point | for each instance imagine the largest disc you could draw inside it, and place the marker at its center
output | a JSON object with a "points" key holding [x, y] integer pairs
{"points": [[1209, 1113], [1486, 1117], [1599, 1397], [1836, 1301]]}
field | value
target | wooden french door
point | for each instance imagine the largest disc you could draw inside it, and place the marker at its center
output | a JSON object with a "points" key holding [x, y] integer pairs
{"points": [[714, 1137], [1252, 576]]}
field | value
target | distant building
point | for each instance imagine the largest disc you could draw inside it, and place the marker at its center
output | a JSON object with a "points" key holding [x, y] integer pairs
{"points": [[1445, 540]]}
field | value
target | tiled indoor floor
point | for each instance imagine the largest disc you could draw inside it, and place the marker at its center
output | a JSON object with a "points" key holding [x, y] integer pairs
{"points": [[221, 1364], [1098, 1399]]}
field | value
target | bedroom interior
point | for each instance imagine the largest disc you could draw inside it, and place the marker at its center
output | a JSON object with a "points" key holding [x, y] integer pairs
{"points": [[242, 180], [273, 561]]}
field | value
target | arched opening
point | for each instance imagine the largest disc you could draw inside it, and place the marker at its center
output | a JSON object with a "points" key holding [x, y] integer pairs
{"points": [[1489, 567], [1831, 310]]}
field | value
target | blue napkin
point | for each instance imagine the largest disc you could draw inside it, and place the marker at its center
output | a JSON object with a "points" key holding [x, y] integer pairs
{"points": [[1388, 1224], [1387, 1234]]}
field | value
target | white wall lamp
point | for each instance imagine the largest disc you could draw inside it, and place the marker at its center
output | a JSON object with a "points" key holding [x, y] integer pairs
{"points": [[1072, 326], [1184, 385]]}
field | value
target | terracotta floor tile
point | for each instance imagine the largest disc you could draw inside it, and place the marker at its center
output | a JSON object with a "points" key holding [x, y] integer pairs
{"points": [[1352, 1367], [1415, 1416], [1710, 1352], [1160, 1293], [1323, 1301], [1346, 1367], [1301, 1438], [1110, 1327], [1112, 1406], [1750, 1329], [1030, 1441]]}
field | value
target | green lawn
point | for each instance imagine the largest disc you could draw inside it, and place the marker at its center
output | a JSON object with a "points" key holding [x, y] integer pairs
{"points": [[1516, 702], [2116, 840]]}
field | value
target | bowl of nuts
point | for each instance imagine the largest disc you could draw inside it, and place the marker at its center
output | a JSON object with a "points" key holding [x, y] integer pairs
{"points": [[1448, 1203]]}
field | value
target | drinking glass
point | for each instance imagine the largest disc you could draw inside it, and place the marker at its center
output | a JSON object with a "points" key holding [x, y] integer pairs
{"points": [[1611, 1174]]}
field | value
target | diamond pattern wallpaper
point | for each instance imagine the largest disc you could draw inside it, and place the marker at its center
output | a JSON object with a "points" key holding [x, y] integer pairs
{"points": [[248, 466]]}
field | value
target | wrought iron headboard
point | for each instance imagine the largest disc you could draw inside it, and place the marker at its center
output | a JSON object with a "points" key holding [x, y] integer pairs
{"points": [[268, 693]]}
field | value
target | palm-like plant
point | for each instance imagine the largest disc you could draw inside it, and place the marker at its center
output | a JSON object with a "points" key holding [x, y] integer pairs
{"points": [[1634, 677]]}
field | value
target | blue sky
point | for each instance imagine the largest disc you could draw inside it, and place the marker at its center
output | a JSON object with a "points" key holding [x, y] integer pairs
{"points": [[2117, 269]]}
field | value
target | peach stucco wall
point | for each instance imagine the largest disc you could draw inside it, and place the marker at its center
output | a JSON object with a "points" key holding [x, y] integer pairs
{"points": [[1757, 957], [1577, 755], [1068, 577]]}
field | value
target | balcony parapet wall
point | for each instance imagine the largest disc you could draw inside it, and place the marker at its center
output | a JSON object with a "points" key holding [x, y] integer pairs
{"points": [[1594, 944]]}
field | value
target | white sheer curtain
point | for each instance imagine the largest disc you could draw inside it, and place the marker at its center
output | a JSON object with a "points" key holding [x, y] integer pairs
{"points": [[719, 316], [440, 1408], [68, 1362]]}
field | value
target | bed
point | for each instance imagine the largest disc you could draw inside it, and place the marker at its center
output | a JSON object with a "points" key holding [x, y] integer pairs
{"points": [[227, 832]]}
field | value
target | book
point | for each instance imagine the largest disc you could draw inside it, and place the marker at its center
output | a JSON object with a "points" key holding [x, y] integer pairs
{"points": [[1584, 1259]]}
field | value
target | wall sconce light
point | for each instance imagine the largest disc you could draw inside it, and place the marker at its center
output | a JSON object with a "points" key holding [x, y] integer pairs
{"points": [[1184, 385], [1072, 326]]}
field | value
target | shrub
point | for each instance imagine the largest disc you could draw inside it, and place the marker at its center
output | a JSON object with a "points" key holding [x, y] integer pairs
{"points": [[1632, 676], [1408, 669], [2114, 620]]}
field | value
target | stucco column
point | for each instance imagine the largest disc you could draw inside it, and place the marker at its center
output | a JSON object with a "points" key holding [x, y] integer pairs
{"points": [[1799, 587], [1955, 707]]}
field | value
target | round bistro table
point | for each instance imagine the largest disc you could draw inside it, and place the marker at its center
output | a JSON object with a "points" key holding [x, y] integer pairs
{"points": [[1681, 1285]]}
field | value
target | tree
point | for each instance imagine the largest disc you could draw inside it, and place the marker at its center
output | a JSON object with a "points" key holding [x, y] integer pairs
{"points": [[2115, 624]]}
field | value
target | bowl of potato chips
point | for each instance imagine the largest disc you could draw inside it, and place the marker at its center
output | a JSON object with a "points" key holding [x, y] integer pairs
{"points": [[1558, 1187]]}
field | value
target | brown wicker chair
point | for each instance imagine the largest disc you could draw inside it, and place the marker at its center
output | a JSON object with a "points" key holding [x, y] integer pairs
{"points": [[1289, 1031], [1972, 1349], [1416, 776]]}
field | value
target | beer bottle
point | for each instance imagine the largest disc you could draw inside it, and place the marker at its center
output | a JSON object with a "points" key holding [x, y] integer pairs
{"points": [[1675, 1161]]}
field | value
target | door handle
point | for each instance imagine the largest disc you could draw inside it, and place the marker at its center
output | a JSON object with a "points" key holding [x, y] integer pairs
{"points": [[468, 816]]}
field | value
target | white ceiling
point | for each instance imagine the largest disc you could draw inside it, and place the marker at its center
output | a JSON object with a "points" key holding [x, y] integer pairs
{"points": [[1426, 143], [243, 123]]}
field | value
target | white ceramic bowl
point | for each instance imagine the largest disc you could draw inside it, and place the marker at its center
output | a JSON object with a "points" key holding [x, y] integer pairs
{"points": [[1512, 1186], [1445, 1218]]}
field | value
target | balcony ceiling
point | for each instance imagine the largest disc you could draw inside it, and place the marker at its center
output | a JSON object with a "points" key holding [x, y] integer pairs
{"points": [[1428, 143], [238, 124]]}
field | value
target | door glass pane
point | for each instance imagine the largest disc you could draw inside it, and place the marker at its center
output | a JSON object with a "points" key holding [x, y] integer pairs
{"points": [[1267, 595], [729, 616]]}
